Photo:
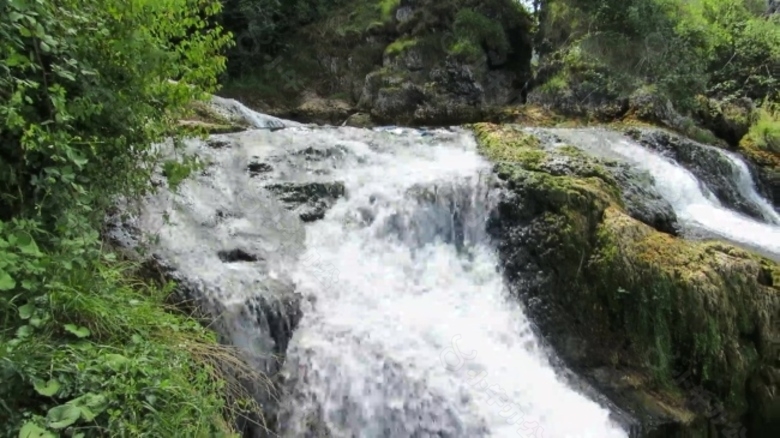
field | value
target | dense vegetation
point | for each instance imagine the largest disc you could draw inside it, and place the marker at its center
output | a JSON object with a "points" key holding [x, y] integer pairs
{"points": [[691, 52], [683, 50], [87, 347]]}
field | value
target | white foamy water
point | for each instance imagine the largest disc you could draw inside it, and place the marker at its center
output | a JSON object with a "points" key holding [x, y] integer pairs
{"points": [[695, 206], [747, 187], [411, 332]]}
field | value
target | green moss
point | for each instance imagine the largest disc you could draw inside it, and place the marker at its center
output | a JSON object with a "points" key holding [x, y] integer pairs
{"points": [[512, 144], [473, 29], [502, 143], [356, 17], [387, 7], [684, 304], [765, 132], [400, 45]]}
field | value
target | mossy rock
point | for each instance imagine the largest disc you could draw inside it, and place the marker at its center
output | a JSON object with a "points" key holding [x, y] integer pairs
{"points": [[203, 118], [729, 120], [617, 298], [321, 111]]}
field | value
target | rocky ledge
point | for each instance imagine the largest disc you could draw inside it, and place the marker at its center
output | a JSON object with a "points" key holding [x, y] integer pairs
{"points": [[682, 334]]}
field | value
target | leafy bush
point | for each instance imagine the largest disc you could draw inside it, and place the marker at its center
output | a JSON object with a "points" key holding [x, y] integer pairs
{"points": [[764, 133], [86, 88], [261, 26], [743, 48], [721, 48], [473, 29]]}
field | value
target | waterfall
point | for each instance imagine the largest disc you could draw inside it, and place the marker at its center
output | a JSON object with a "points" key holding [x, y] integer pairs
{"points": [[697, 208], [372, 243], [410, 331], [744, 182]]}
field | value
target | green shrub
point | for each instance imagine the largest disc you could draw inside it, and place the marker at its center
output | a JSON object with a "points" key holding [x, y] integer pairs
{"points": [[474, 29], [86, 88], [721, 48], [765, 131]]}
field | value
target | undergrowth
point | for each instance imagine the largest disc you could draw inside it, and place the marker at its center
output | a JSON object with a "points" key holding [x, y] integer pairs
{"points": [[765, 131], [88, 348], [101, 354]]}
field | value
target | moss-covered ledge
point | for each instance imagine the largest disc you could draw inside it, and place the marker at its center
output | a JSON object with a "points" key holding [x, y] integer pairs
{"points": [[202, 118], [623, 302]]}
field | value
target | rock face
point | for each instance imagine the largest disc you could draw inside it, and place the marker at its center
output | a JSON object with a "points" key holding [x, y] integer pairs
{"points": [[772, 6], [681, 334], [450, 62], [414, 62]]}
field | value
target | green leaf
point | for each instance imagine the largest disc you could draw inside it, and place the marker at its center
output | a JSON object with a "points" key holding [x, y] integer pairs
{"points": [[79, 332], [32, 430], [26, 244], [23, 331], [115, 361], [48, 389], [87, 414], [26, 311], [91, 405], [6, 281], [60, 417]]}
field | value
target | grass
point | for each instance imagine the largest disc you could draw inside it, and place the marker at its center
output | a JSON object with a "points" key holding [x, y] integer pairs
{"points": [[102, 354]]}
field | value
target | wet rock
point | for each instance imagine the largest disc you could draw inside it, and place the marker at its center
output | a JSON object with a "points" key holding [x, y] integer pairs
{"points": [[728, 119], [257, 168], [641, 201], [766, 166], [321, 153], [322, 111], [584, 93], [542, 151], [359, 120], [309, 200], [219, 143]]}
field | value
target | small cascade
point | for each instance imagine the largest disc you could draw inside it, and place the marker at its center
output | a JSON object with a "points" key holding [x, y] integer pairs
{"points": [[698, 209]]}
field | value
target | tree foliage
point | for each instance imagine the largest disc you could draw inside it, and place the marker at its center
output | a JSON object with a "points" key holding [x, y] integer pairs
{"points": [[86, 88], [722, 48], [261, 26]]}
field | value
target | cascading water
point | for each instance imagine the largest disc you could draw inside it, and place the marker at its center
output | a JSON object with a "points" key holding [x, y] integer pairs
{"points": [[407, 328], [744, 183], [697, 209], [410, 332]]}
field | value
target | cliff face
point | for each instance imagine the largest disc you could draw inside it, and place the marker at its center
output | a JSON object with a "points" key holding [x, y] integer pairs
{"points": [[405, 62]]}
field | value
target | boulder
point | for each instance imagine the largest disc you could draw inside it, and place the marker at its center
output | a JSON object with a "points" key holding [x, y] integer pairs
{"points": [[680, 333]]}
